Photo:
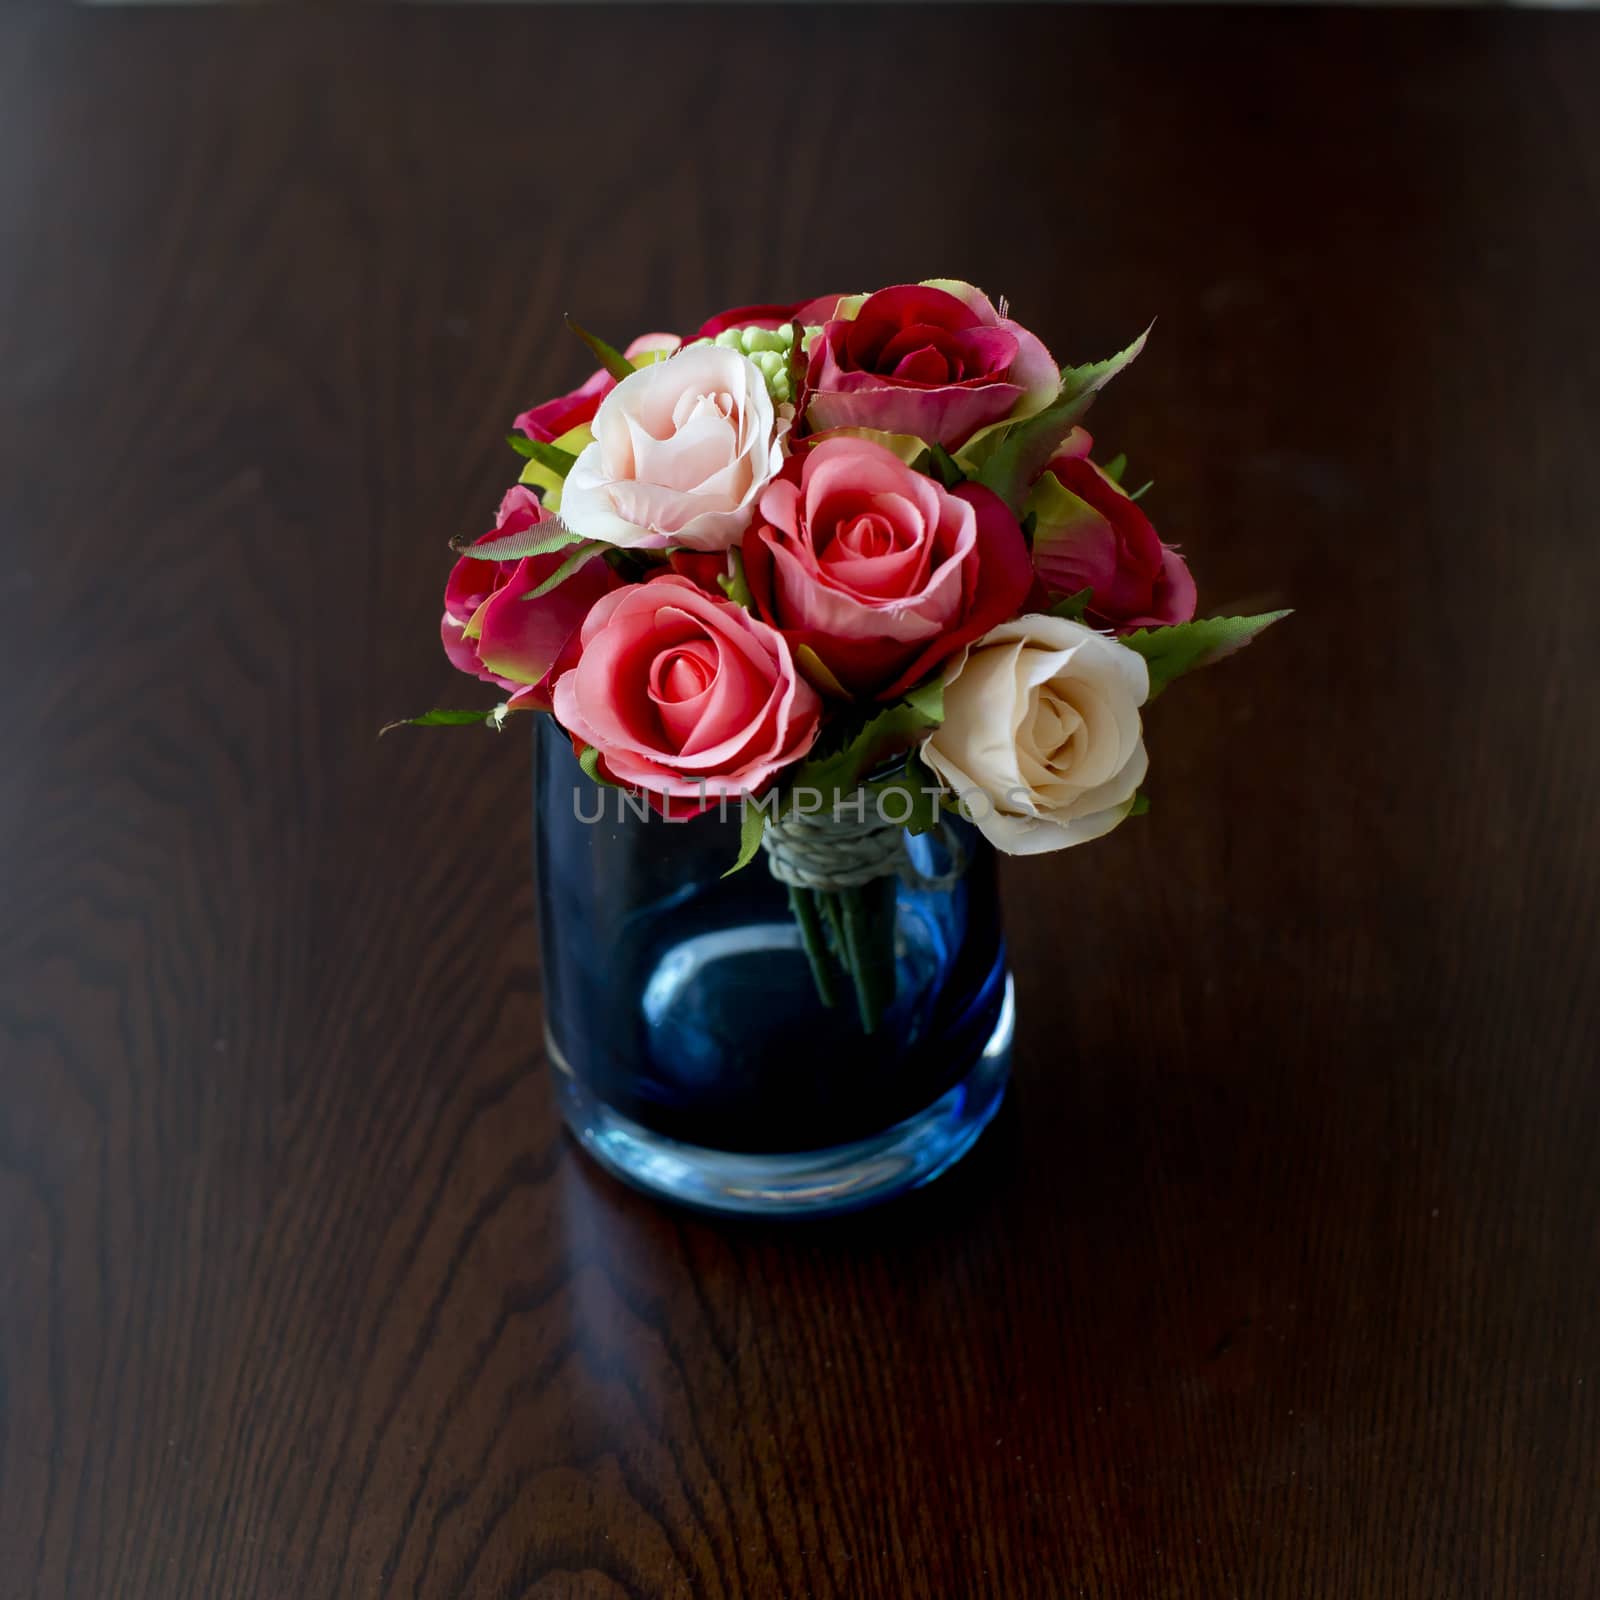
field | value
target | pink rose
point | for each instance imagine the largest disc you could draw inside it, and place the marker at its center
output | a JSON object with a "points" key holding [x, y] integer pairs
{"points": [[1089, 535], [491, 631], [680, 452], [880, 570], [549, 421], [934, 360], [684, 695]]}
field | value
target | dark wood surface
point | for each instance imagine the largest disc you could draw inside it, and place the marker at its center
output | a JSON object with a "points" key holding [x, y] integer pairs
{"points": [[1280, 1276]]}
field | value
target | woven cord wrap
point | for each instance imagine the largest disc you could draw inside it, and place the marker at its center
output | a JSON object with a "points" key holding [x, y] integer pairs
{"points": [[830, 852]]}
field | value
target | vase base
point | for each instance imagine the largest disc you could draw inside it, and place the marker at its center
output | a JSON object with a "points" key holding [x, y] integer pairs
{"points": [[805, 1183]]}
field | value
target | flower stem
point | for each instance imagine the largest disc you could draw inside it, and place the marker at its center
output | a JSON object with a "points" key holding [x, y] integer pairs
{"points": [[803, 903], [869, 950]]}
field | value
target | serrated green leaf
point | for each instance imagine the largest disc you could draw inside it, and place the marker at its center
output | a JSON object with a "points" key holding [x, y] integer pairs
{"points": [[1027, 446], [752, 825], [583, 552], [609, 357], [734, 584], [1073, 606], [1115, 467], [559, 461], [493, 718], [1171, 652], [896, 728], [540, 540]]}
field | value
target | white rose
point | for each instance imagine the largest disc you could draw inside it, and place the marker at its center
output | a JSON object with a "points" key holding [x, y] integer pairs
{"points": [[681, 451], [1041, 739]]}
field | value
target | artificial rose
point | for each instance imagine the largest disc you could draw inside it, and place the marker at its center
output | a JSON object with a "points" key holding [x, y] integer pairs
{"points": [[681, 451], [1089, 535], [685, 696], [492, 631], [881, 571], [772, 316], [934, 360], [548, 422], [1041, 739]]}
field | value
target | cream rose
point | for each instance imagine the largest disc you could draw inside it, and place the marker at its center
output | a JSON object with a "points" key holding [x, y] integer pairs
{"points": [[681, 451], [1041, 739]]}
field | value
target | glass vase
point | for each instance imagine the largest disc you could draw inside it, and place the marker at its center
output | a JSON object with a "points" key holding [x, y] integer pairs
{"points": [[693, 1054]]}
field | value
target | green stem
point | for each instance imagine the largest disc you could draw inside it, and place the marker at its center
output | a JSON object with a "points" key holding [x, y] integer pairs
{"points": [[803, 903], [866, 949]]}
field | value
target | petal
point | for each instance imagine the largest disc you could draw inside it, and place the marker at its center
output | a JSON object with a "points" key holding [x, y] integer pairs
{"points": [[946, 416], [520, 639]]}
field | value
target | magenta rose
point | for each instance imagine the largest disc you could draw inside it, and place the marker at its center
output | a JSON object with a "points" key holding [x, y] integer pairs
{"points": [[685, 696], [934, 360], [493, 632], [549, 421], [881, 571], [1089, 535]]}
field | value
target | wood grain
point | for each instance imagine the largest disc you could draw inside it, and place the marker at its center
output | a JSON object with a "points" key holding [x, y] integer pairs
{"points": [[1278, 1277]]}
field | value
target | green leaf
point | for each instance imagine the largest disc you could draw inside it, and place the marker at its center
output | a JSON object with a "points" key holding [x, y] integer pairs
{"points": [[944, 466], [1171, 652], [1115, 467], [927, 700], [1026, 449], [921, 811], [494, 718], [894, 729], [734, 584], [584, 551], [612, 359], [1141, 804], [559, 461], [1143, 489], [752, 825], [539, 540], [1073, 606]]}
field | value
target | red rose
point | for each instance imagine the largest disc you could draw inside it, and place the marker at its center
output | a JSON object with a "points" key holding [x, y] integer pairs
{"points": [[934, 360], [881, 571], [1089, 535]]}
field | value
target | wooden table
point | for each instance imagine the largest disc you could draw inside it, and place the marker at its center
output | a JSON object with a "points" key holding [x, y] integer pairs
{"points": [[1281, 1274]]}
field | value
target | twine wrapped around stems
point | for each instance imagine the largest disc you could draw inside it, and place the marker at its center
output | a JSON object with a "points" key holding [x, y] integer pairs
{"points": [[838, 869], [828, 851]]}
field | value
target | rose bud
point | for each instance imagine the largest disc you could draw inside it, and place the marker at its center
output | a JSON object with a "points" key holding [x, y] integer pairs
{"points": [[1088, 534], [1041, 740]]}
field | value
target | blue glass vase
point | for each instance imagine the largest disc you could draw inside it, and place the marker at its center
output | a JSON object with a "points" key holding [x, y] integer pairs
{"points": [[693, 1055]]}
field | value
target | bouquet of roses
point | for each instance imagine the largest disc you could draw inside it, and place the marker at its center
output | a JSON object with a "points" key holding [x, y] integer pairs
{"points": [[850, 564]]}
